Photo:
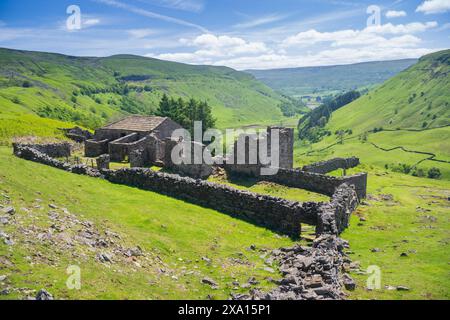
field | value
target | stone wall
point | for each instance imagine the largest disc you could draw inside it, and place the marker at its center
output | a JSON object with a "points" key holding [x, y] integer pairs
{"points": [[324, 167], [317, 182], [77, 134], [95, 148], [286, 146], [334, 217], [103, 162], [121, 148], [192, 166], [54, 150], [275, 213]]}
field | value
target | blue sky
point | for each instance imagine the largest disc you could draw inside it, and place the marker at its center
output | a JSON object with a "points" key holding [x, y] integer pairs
{"points": [[257, 34]]}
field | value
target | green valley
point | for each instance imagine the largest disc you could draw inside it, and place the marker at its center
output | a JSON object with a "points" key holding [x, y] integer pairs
{"points": [[91, 91], [326, 80], [405, 121]]}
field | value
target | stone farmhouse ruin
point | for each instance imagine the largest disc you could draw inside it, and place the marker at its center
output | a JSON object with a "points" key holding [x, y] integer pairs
{"points": [[146, 141], [119, 139]]}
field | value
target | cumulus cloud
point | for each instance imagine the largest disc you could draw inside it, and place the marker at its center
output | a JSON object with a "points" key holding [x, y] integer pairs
{"points": [[210, 44], [395, 14], [434, 6], [349, 36]]}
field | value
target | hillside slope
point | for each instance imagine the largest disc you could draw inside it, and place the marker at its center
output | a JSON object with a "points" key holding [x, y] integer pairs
{"points": [[90, 91], [310, 80], [417, 98], [404, 121]]}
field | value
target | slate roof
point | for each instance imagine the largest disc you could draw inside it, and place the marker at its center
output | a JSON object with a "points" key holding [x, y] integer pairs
{"points": [[136, 123]]}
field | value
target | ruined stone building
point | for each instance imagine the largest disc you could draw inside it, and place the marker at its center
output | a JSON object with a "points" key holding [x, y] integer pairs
{"points": [[119, 139], [248, 161]]}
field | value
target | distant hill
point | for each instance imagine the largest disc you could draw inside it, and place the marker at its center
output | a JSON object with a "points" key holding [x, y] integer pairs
{"points": [[330, 79], [91, 91]]}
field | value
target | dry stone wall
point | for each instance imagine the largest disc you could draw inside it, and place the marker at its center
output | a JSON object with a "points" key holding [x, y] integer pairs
{"points": [[324, 167], [278, 214], [274, 213], [54, 150], [319, 183]]}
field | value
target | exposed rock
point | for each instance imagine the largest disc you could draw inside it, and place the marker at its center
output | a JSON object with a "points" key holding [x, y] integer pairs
{"points": [[9, 210], [104, 257], [43, 295], [349, 283], [402, 288], [210, 282]]}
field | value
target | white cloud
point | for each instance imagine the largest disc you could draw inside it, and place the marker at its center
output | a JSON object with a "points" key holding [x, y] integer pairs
{"points": [[434, 6], [363, 37], [395, 14], [141, 33], [220, 46]]}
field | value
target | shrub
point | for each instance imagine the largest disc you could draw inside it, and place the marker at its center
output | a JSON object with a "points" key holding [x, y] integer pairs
{"points": [[27, 84], [434, 173], [402, 168]]}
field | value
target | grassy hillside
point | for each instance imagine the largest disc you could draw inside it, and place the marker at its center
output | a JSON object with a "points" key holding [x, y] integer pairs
{"points": [[410, 114], [417, 98], [91, 91], [181, 243], [330, 79]]}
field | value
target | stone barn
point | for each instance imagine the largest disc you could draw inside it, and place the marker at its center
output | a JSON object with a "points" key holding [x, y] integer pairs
{"points": [[120, 138]]}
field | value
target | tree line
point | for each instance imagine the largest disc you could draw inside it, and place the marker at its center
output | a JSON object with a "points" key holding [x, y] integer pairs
{"points": [[185, 112], [311, 126]]}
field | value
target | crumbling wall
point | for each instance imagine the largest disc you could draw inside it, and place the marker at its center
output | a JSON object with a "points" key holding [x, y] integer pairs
{"points": [[327, 166], [121, 148], [191, 165], [77, 134], [334, 216], [95, 148], [54, 150], [286, 146], [317, 182], [103, 162]]}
